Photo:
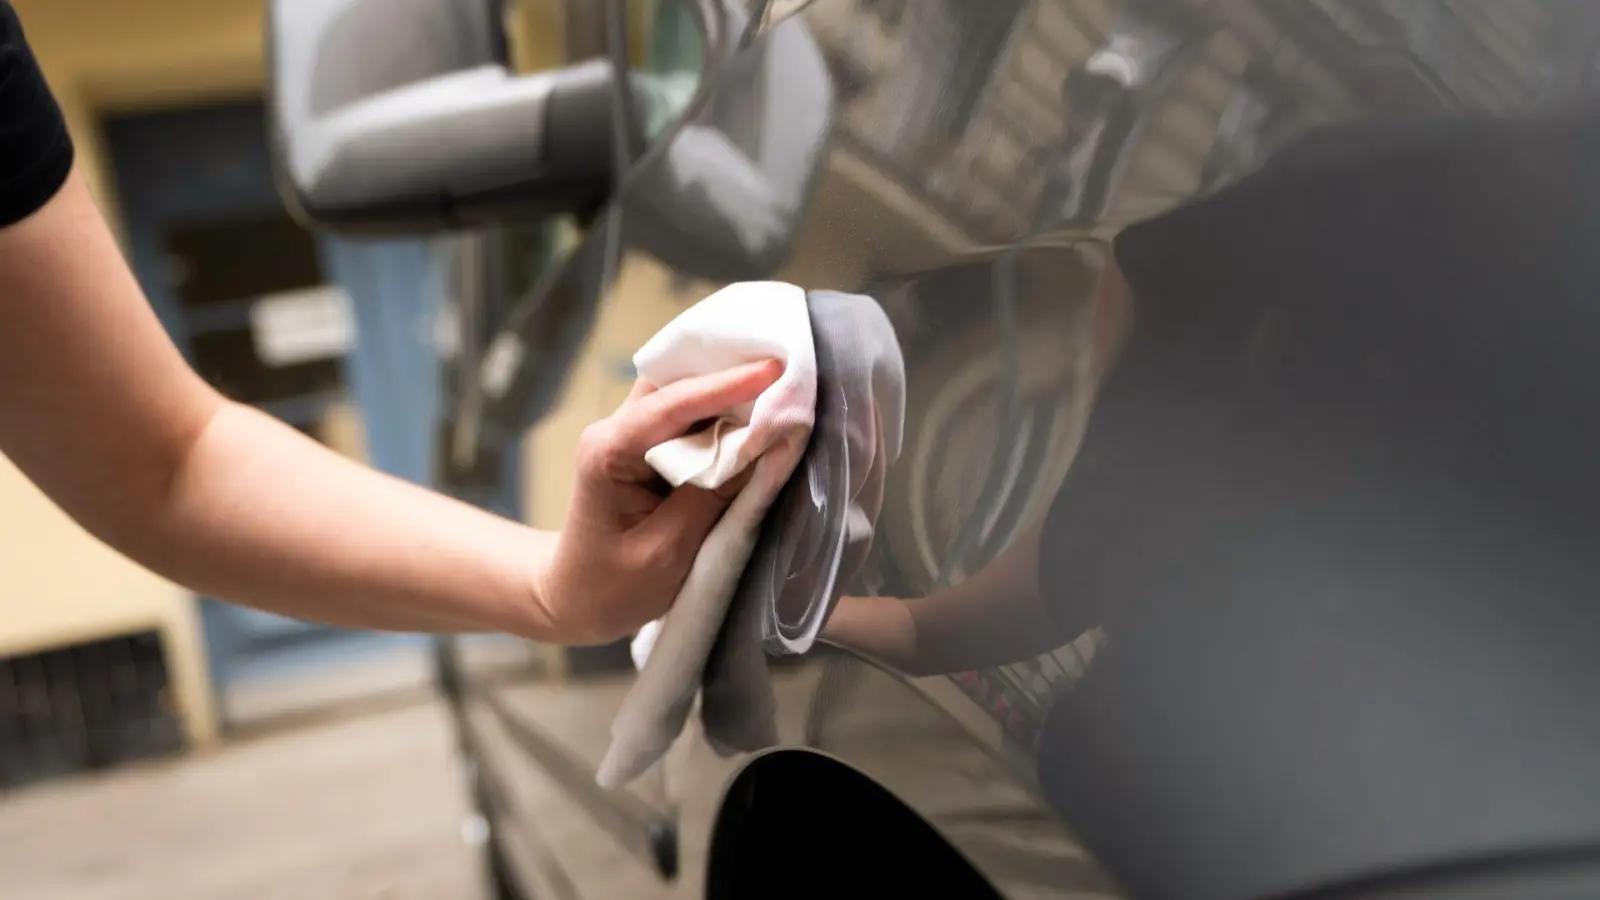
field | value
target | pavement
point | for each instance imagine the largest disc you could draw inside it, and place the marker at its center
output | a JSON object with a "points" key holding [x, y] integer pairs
{"points": [[366, 803], [367, 806]]}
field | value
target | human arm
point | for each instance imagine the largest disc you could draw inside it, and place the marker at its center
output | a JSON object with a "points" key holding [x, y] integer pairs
{"points": [[99, 409]]}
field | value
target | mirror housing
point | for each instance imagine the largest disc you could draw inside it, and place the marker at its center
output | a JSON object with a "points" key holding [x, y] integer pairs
{"points": [[725, 194], [395, 116]]}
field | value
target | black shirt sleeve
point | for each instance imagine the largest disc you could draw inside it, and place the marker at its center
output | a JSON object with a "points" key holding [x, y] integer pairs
{"points": [[35, 148]]}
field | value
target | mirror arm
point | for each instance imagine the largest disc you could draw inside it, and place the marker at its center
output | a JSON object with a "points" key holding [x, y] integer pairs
{"points": [[400, 161]]}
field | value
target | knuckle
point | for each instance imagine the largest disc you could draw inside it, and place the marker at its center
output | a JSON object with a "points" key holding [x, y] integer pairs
{"points": [[652, 408], [597, 448]]}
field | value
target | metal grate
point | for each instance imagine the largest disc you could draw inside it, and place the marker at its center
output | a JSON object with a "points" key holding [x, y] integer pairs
{"points": [[84, 707], [1019, 695]]}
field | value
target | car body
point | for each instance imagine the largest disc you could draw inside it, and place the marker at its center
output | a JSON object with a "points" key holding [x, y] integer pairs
{"points": [[968, 164]]}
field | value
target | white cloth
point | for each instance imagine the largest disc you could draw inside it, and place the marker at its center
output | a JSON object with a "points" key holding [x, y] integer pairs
{"points": [[742, 323]]}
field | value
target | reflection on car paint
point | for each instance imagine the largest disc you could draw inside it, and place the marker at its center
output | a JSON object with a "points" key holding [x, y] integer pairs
{"points": [[1019, 695], [980, 159]]}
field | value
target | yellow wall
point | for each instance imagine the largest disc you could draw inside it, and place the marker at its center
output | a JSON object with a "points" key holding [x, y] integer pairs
{"points": [[108, 55]]}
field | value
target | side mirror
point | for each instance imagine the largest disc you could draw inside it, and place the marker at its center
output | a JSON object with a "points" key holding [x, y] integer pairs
{"points": [[394, 116]]}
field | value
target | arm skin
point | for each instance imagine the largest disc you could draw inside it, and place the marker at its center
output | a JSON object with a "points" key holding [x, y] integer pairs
{"points": [[100, 410]]}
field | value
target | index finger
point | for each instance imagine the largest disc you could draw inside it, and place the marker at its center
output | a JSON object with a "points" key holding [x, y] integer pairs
{"points": [[667, 412], [640, 388]]}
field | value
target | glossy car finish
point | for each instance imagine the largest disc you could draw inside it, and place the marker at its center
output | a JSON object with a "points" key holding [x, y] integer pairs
{"points": [[979, 159]]}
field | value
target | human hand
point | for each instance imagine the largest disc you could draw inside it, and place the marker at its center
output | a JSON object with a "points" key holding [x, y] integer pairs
{"points": [[629, 538]]}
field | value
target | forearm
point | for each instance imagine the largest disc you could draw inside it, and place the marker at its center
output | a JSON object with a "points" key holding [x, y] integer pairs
{"points": [[997, 616], [941, 634], [879, 627], [260, 515], [972, 630]]}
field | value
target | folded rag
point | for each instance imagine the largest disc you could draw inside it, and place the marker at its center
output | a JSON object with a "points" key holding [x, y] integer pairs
{"points": [[861, 403], [817, 534], [741, 323], [768, 575]]}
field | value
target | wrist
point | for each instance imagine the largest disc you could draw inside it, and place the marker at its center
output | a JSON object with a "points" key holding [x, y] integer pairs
{"points": [[527, 610]]}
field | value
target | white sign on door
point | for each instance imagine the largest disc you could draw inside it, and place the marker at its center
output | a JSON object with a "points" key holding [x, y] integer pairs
{"points": [[299, 326]]}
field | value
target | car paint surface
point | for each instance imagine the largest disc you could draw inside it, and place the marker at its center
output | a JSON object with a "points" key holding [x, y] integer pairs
{"points": [[981, 158]]}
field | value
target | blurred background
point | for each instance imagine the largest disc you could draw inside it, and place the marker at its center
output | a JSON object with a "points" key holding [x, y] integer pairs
{"points": [[146, 731]]}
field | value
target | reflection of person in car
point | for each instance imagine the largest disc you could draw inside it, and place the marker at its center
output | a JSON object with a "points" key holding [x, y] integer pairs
{"points": [[997, 615], [1370, 362]]}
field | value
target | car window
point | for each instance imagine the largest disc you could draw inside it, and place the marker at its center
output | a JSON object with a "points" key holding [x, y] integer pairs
{"points": [[671, 71]]}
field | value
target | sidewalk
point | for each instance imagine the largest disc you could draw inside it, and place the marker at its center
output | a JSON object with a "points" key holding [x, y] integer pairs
{"points": [[362, 808]]}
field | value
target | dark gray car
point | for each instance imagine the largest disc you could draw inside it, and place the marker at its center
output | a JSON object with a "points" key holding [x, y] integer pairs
{"points": [[1245, 507]]}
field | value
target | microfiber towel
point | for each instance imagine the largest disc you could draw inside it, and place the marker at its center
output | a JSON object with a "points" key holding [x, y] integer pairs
{"points": [[770, 580], [817, 534], [741, 323]]}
